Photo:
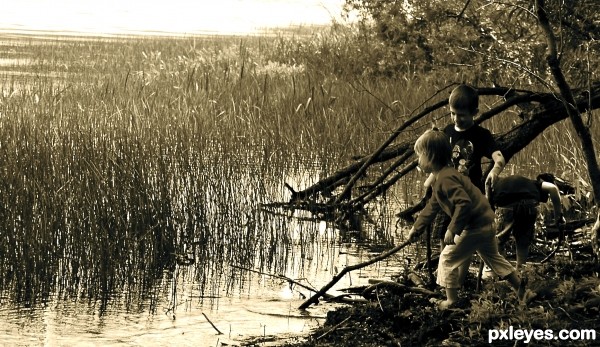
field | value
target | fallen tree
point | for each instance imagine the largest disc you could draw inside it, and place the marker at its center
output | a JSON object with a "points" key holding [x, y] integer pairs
{"points": [[538, 112]]}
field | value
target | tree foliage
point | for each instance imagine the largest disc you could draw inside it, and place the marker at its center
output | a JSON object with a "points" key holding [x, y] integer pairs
{"points": [[494, 39]]}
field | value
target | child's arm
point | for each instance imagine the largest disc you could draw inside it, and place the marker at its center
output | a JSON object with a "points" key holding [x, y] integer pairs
{"points": [[463, 207], [429, 181], [554, 193], [426, 217], [499, 164]]}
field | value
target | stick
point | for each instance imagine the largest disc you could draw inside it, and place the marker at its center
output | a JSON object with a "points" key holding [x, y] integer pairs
{"points": [[335, 327], [429, 267], [400, 287], [289, 280], [315, 298], [211, 323], [561, 237], [479, 275]]}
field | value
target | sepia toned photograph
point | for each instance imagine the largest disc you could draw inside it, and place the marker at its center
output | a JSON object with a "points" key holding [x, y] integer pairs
{"points": [[299, 173]]}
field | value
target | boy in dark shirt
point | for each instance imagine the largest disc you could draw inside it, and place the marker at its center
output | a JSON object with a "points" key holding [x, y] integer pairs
{"points": [[469, 143], [469, 146]]}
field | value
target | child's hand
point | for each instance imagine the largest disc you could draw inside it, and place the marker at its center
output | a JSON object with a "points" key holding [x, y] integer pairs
{"points": [[413, 235], [490, 181], [448, 238]]}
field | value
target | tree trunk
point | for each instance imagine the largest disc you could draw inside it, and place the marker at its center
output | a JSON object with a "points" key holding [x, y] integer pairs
{"points": [[568, 100]]}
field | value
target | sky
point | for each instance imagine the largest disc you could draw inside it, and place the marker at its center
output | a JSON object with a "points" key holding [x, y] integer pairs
{"points": [[169, 16]]}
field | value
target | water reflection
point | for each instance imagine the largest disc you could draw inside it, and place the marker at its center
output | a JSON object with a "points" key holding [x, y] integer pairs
{"points": [[263, 307], [153, 289]]}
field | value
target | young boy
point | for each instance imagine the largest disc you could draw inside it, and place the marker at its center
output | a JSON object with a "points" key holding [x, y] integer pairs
{"points": [[469, 143], [471, 226], [516, 199]]}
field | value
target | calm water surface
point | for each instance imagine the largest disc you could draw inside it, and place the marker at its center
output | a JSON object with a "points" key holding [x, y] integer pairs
{"points": [[265, 308], [180, 305]]}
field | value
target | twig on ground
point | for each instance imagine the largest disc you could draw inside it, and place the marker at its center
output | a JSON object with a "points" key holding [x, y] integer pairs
{"points": [[565, 312], [400, 287], [334, 328]]}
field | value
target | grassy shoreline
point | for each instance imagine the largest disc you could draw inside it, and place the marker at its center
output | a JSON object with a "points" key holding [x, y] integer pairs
{"points": [[113, 150]]}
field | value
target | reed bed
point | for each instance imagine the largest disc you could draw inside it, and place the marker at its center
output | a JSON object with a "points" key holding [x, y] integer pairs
{"points": [[125, 160]]}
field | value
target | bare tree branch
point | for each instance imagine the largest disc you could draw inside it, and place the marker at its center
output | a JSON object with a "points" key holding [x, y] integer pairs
{"points": [[315, 298]]}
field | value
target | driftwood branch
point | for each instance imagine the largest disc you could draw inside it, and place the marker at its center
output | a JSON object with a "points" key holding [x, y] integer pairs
{"points": [[400, 287], [285, 278], [211, 323], [334, 328], [373, 157], [315, 298]]}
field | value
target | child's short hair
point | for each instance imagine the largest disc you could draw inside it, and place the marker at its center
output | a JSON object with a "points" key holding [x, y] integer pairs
{"points": [[435, 145], [464, 97]]}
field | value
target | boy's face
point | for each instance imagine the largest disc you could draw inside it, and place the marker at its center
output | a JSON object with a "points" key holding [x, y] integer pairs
{"points": [[462, 118]]}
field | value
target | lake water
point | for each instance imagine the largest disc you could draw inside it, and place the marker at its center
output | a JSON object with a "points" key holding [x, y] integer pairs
{"points": [[264, 310], [160, 16], [127, 304]]}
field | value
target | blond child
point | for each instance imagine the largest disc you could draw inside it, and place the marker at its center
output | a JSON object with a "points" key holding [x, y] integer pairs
{"points": [[471, 226]]}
